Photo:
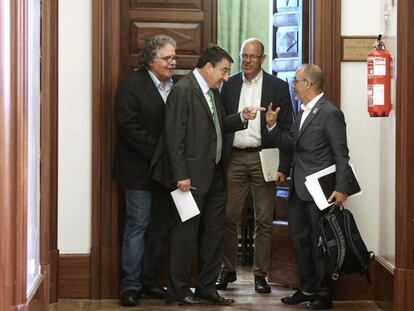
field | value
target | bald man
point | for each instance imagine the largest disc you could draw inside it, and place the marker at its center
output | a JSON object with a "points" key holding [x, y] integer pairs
{"points": [[252, 86]]}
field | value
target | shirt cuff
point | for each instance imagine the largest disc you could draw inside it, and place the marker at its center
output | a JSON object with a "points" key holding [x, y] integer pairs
{"points": [[271, 128]]}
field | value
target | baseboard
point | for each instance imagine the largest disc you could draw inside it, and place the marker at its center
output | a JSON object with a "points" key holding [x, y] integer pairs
{"points": [[384, 284], [74, 276]]}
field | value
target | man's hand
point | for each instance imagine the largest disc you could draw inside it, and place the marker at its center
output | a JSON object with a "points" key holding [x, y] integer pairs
{"points": [[184, 185], [338, 197], [280, 177], [271, 115], [249, 112]]}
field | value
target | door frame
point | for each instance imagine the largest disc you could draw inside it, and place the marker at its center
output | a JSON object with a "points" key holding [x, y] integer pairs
{"points": [[13, 151]]}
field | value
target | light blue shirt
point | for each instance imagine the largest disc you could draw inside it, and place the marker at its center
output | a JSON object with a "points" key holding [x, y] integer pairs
{"points": [[163, 90]]}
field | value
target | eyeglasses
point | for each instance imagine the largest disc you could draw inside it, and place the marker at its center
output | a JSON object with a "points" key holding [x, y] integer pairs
{"points": [[250, 56], [168, 59], [294, 81]]}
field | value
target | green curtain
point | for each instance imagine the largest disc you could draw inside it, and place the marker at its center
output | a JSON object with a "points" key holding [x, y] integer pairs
{"points": [[242, 19]]}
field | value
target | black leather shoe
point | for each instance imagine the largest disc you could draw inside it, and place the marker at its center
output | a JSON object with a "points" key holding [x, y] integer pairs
{"points": [[153, 292], [298, 297], [129, 298], [320, 303], [189, 300], [216, 299], [261, 286], [225, 278]]}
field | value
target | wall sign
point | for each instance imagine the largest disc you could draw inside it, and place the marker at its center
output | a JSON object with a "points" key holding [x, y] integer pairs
{"points": [[356, 48]]}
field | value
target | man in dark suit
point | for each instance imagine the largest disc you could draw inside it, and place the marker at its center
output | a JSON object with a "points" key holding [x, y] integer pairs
{"points": [[252, 86], [194, 124], [317, 140], [139, 116]]}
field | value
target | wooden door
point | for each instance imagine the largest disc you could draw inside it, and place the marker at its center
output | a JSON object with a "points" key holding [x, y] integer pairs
{"points": [[120, 29], [192, 23]]}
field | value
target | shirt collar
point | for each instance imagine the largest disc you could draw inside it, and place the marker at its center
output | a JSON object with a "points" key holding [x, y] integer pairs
{"points": [[312, 103], [201, 81], [255, 79], [168, 84]]}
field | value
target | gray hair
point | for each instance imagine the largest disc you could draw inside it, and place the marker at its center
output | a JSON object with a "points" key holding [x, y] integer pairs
{"points": [[151, 48], [314, 74]]}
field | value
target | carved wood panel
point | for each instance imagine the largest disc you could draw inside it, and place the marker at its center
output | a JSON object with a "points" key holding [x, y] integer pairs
{"points": [[190, 23]]}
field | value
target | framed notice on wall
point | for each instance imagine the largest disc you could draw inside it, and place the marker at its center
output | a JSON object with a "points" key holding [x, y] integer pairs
{"points": [[356, 48]]}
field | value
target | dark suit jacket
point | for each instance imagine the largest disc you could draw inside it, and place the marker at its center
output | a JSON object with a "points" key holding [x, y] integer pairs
{"points": [[320, 143], [190, 134], [274, 90], [139, 117]]}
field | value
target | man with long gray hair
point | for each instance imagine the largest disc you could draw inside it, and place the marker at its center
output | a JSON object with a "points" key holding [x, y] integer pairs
{"points": [[139, 116]]}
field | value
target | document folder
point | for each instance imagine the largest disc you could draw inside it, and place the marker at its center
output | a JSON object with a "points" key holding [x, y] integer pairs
{"points": [[269, 159], [186, 206], [322, 183]]}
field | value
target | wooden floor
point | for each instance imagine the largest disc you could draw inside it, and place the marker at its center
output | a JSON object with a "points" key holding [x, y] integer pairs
{"points": [[242, 291]]}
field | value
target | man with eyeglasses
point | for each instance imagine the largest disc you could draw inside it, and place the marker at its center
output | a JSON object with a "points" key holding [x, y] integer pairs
{"points": [[255, 87], [139, 116], [316, 140]]}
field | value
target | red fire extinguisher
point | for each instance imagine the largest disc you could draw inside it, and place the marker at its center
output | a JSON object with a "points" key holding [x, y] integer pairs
{"points": [[379, 80]]}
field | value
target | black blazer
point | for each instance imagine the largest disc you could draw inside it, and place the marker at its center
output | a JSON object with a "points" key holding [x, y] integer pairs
{"points": [[139, 118], [190, 134], [275, 91], [320, 143]]}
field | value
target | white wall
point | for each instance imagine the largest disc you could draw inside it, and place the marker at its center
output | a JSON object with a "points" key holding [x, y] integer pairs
{"points": [[75, 122], [371, 140]]}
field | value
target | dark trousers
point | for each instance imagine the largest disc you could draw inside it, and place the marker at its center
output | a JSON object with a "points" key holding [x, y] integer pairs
{"points": [[304, 231], [204, 232], [156, 236]]}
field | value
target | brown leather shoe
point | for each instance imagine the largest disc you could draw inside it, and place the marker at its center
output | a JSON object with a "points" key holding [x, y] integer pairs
{"points": [[224, 279]]}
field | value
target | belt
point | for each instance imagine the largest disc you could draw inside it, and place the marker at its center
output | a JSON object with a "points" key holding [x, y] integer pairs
{"points": [[248, 149]]}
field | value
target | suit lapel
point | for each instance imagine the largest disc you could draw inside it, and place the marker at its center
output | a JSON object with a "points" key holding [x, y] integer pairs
{"points": [[266, 87], [310, 117], [199, 93], [236, 93]]}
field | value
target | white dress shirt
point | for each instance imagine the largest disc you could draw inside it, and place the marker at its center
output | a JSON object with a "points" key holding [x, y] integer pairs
{"points": [[251, 95], [307, 108]]}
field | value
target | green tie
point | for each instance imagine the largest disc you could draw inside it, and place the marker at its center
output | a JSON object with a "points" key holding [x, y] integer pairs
{"points": [[217, 126]]}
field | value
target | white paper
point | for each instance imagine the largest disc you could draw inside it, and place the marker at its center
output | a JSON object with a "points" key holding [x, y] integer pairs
{"points": [[269, 158], [185, 203], [315, 190]]}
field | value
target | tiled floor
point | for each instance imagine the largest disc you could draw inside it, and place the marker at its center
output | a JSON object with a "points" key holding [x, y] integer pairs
{"points": [[242, 291]]}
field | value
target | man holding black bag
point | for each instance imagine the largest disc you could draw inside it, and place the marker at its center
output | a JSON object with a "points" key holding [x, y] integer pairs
{"points": [[317, 139]]}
